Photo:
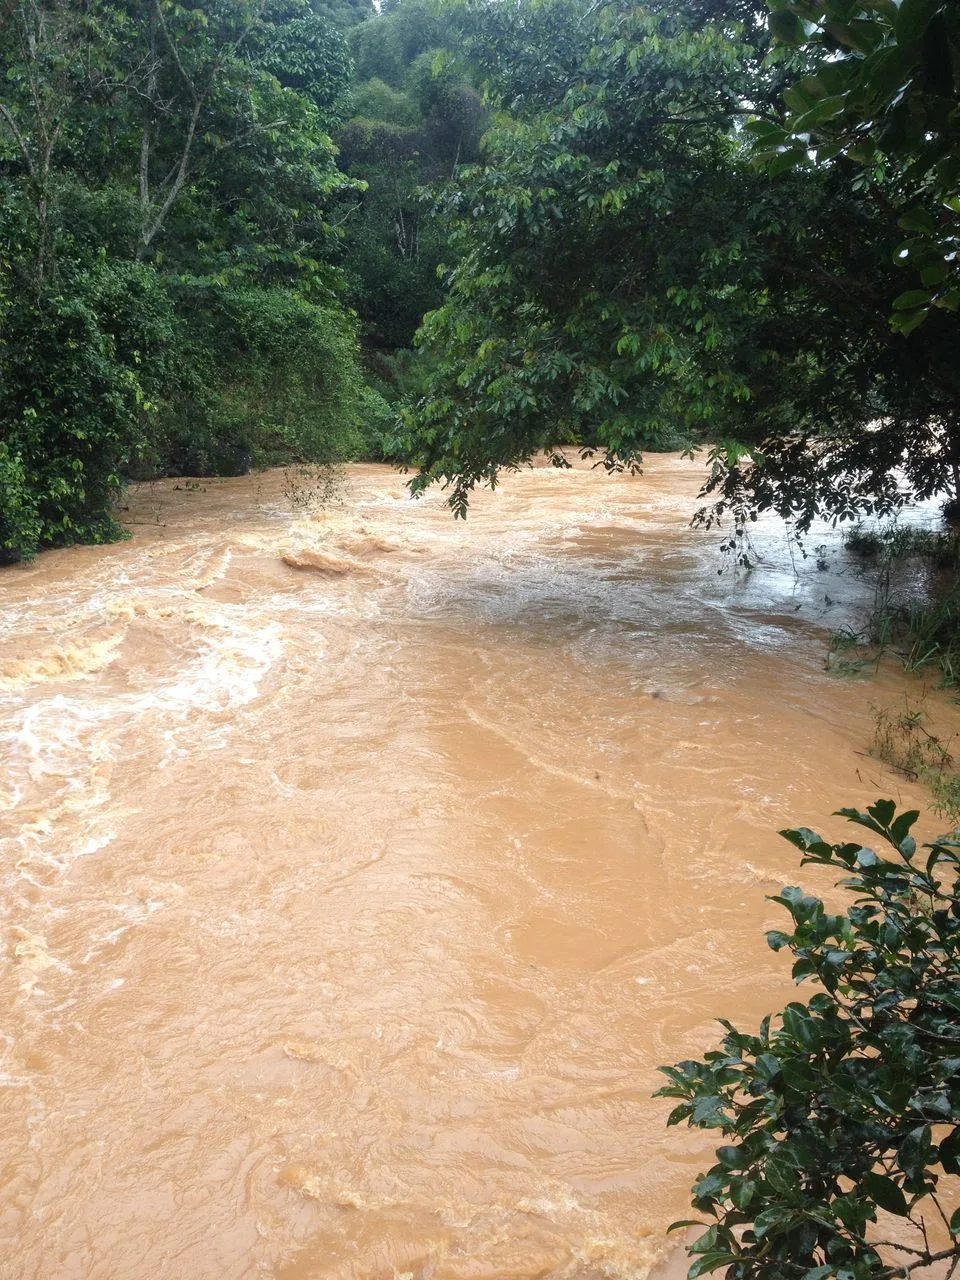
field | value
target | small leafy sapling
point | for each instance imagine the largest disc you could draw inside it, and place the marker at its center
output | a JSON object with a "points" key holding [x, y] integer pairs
{"points": [[850, 1103]]}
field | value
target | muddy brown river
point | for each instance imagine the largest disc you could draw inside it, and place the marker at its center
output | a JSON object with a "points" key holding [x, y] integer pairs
{"points": [[360, 866]]}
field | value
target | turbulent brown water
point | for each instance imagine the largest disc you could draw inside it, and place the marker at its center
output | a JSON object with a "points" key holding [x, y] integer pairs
{"points": [[360, 867]]}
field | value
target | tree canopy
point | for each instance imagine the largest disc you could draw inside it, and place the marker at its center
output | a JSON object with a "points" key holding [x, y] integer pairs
{"points": [[631, 268], [885, 93], [649, 226]]}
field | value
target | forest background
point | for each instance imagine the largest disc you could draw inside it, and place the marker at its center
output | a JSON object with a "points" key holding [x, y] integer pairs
{"points": [[453, 234]]}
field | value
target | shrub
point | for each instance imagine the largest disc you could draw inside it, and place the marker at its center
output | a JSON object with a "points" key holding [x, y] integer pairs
{"points": [[120, 373], [75, 372], [273, 379], [376, 100], [395, 379], [20, 526], [377, 425], [850, 1103], [925, 632], [902, 542]]}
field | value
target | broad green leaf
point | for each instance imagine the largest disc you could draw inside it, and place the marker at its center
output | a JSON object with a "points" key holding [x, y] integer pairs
{"points": [[786, 27], [917, 219], [913, 1154], [882, 811], [885, 1192], [905, 322], [732, 1157], [913, 18], [912, 298], [710, 1262], [744, 1193], [949, 1152]]}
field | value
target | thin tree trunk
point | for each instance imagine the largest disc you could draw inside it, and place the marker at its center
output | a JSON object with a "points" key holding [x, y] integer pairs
{"points": [[155, 215]]}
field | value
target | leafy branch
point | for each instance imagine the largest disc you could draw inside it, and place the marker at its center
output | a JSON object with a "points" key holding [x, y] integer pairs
{"points": [[850, 1103]]}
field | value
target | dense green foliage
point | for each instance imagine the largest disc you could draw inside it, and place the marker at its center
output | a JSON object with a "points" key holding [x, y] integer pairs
{"points": [[881, 109], [625, 274], [647, 226], [167, 299], [550, 331], [848, 1104], [652, 226], [886, 94], [413, 115]]}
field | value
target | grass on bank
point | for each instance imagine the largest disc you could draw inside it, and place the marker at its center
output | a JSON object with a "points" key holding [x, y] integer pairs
{"points": [[925, 636]]}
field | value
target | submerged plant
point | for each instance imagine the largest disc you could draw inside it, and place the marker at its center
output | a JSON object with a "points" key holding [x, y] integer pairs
{"points": [[902, 739], [849, 1104], [314, 487], [901, 542], [924, 633]]}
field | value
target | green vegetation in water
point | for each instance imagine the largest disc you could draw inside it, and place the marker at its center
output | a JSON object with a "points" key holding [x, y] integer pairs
{"points": [[899, 542], [933, 636], [924, 634], [848, 1104], [902, 739]]}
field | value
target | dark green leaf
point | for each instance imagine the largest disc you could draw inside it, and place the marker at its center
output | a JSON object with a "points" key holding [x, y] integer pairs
{"points": [[885, 1192], [914, 1151], [913, 18], [732, 1157], [917, 219], [786, 27], [912, 298], [710, 1262], [906, 321], [949, 1152]]}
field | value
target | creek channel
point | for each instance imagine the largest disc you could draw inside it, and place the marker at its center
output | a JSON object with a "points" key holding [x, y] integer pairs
{"points": [[360, 866]]}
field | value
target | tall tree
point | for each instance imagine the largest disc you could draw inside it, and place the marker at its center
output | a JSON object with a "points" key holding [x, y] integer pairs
{"points": [[168, 184], [414, 117], [628, 278]]}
